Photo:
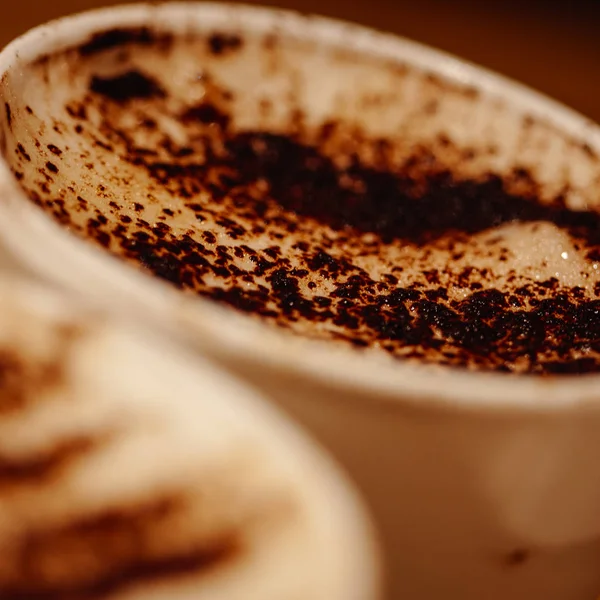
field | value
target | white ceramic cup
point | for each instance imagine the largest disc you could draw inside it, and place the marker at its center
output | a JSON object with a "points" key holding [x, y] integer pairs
{"points": [[483, 486], [134, 470]]}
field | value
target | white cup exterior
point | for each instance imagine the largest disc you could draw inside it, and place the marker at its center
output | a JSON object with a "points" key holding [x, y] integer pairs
{"points": [[483, 486]]}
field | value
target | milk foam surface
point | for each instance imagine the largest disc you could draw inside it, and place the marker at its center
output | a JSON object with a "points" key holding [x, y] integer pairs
{"points": [[128, 473], [400, 213]]}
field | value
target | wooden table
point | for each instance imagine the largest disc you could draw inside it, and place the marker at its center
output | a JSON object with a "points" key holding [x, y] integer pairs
{"points": [[552, 46]]}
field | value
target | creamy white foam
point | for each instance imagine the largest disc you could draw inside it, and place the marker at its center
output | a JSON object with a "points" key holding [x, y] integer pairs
{"points": [[128, 470]]}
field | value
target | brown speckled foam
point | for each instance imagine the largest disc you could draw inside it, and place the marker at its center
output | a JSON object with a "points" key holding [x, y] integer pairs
{"points": [[334, 194], [129, 473]]}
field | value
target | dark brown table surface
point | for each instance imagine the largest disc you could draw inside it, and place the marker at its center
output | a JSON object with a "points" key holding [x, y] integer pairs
{"points": [[551, 45]]}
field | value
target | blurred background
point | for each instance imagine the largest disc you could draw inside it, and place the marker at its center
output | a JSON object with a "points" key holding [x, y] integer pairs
{"points": [[551, 45]]}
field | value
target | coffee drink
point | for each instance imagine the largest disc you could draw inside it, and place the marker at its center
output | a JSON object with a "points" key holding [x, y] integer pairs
{"points": [[130, 473], [209, 161], [357, 199]]}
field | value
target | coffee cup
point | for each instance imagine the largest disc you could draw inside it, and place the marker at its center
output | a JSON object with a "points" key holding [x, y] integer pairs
{"points": [[131, 469], [267, 161]]}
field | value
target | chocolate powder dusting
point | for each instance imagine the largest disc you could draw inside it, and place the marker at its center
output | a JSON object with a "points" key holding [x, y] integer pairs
{"points": [[286, 224], [8, 112], [207, 114], [127, 86], [223, 43], [394, 205], [485, 329], [115, 38], [44, 466], [108, 553], [23, 380]]}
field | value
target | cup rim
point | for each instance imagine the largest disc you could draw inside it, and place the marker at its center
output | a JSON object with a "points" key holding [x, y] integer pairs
{"points": [[386, 381]]}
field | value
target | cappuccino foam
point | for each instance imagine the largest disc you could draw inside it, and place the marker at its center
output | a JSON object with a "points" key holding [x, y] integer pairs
{"points": [[135, 474], [251, 171]]}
